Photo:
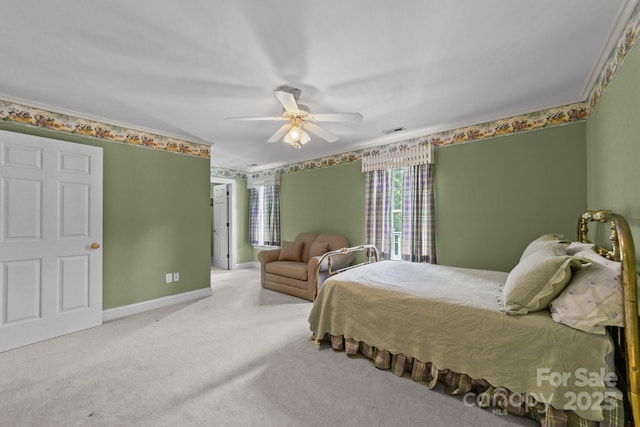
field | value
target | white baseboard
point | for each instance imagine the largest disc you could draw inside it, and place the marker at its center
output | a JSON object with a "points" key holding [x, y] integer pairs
{"points": [[247, 265], [242, 265], [141, 307]]}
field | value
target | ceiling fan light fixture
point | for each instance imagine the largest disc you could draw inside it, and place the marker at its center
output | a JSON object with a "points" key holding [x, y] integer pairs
{"points": [[295, 133], [293, 142], [304, 138]]}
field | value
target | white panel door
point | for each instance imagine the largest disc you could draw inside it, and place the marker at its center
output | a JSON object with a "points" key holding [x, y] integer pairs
{"points": [[221, 226], [50, 237]]}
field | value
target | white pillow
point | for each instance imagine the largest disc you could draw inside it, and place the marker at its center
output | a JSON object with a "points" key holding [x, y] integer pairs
{"points": [[593, 298], [575, 247], [554, 241], [536, 280]]}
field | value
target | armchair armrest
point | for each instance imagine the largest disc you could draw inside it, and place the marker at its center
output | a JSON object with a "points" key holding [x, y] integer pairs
{"points": [[313, 263], [265, 257], [268, 255]]}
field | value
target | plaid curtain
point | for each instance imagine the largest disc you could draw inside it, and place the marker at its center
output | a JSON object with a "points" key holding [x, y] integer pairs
{"points": [[379, 228], [264, 226], [254, 216], [418, 233], [271, 215]]}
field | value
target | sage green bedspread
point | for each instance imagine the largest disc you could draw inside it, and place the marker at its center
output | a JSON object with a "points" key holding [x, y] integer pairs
{"points": [[450, 317]]}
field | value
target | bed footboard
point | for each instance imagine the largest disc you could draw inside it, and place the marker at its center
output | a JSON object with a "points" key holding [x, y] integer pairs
{"points": [[371, 255]]}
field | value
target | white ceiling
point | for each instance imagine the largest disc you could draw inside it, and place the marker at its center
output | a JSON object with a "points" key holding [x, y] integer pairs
{"points": [[180, 67]]}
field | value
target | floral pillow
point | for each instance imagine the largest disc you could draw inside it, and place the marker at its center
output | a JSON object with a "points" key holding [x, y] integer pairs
{"points": [[593, 298]]}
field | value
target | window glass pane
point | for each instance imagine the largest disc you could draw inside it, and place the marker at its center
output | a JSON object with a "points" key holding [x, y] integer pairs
{"points": [[261, 215], [396, 211], [397, 220], [398, 183]]}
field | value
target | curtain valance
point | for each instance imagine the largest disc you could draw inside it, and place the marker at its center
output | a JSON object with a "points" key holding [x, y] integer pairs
{"points": [[263, 181], [419, 155]]}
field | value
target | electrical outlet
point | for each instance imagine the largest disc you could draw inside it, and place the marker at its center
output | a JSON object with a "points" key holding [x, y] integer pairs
{"points": [[168, 278], [176, 277]]}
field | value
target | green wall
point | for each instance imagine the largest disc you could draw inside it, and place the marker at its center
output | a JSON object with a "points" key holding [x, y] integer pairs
{"points": [[323, 200], [613, 146], [494, 196], [156, 211]]}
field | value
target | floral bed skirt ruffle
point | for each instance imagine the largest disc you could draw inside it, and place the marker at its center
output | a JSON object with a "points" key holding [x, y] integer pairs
{"points": [[477, 392]]}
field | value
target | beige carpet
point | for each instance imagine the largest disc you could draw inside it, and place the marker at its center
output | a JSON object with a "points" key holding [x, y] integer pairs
{"points": [[242, 357]]}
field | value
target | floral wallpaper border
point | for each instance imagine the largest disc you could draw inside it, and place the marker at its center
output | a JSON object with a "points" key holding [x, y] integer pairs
{"points": [[36, 117], [624, 44]]}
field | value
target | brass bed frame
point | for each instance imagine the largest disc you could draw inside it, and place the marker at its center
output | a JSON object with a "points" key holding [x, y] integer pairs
{"points": [[371, 254], [626, 340]]}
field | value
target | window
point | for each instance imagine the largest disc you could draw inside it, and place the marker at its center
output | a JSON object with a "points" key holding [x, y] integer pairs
{"points": [[399, 212], [264, 213]]}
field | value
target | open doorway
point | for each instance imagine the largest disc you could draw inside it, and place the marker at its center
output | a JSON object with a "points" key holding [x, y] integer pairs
{"points": [[223, 247]]}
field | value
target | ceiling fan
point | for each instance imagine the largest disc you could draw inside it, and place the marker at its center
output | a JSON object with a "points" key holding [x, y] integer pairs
{"points": [[301, 120]]}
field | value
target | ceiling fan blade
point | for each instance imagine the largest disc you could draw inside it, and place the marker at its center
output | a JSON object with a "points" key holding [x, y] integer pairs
{"points": [[336, 117], [280, 133], [256, 118], [287, 100], [313, 128]]}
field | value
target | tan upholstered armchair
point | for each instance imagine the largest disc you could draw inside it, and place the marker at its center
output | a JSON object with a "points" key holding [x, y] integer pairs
{"points": [[291, 269]]}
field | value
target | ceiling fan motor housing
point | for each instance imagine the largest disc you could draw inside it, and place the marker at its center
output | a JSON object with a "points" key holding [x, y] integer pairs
{"points": [[302, 114]]}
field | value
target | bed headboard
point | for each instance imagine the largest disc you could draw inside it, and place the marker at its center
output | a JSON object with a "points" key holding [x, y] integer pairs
{"points": [[627, 339]]}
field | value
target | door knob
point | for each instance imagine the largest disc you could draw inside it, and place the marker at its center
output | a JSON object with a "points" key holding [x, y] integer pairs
{"points": [[95, 245]]}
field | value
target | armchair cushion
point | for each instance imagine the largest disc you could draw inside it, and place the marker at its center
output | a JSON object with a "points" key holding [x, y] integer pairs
{"points": [[295, 270], [307, 240], [318, 249], [290, 251]]}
